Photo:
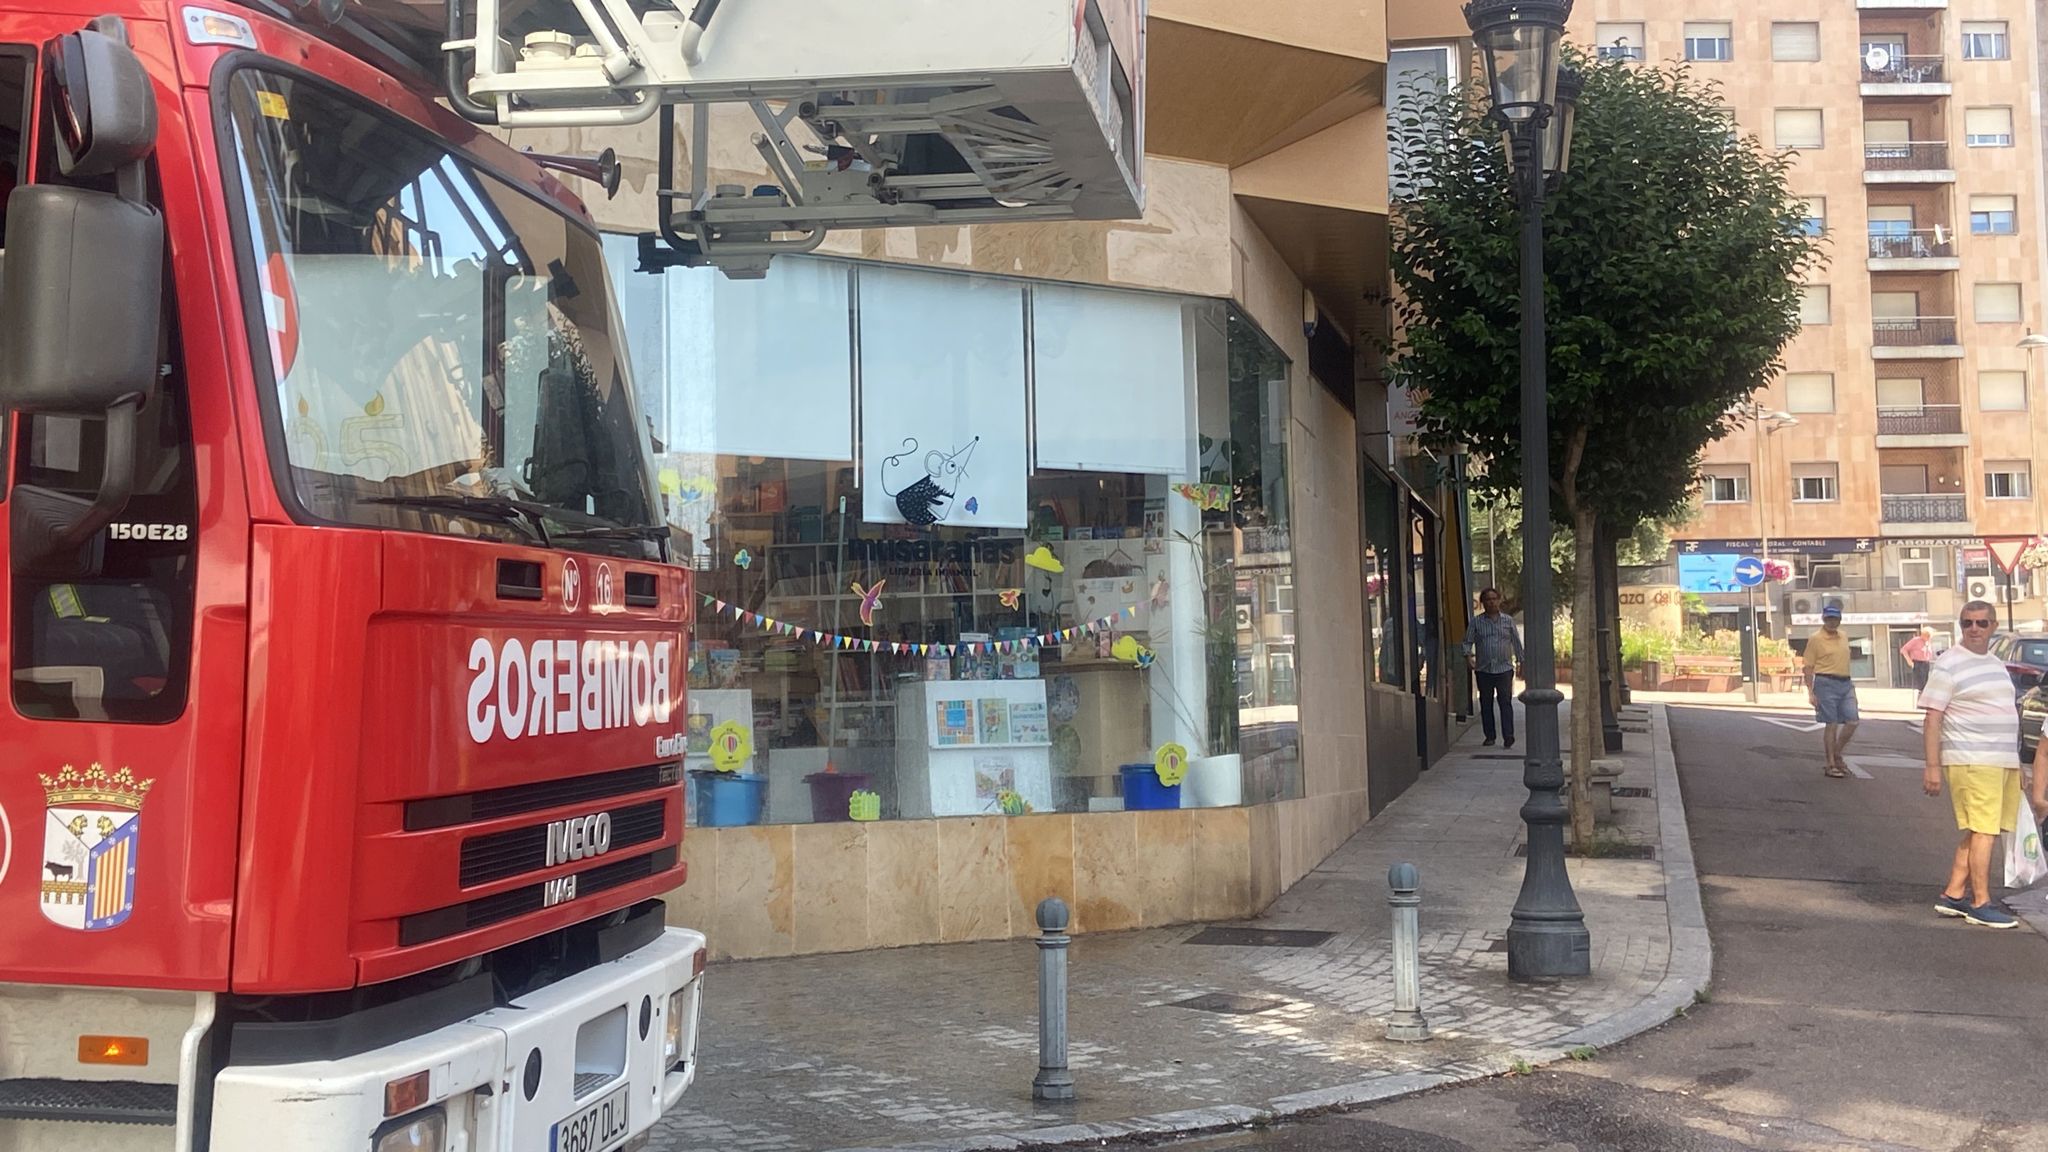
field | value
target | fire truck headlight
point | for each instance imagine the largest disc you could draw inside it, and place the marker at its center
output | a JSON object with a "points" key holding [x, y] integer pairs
{"points": [[672, 1031], [423, 1131]]}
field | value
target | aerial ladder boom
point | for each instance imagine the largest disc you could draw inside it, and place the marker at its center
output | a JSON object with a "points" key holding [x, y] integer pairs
{"points": [[870, 113]]}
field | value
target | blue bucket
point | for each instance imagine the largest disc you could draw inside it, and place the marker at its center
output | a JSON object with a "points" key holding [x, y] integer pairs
{"points": [[1143, 791], [727, 799]]}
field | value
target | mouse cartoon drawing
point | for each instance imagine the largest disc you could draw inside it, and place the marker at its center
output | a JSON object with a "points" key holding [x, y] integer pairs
{"points": [[927, 500]]}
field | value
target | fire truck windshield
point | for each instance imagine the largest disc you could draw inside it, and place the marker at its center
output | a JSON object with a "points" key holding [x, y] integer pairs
{"points": [[440, 345]]}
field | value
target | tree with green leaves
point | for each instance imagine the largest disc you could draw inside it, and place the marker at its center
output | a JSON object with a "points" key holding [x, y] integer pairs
{"points": [[1674, 253]]}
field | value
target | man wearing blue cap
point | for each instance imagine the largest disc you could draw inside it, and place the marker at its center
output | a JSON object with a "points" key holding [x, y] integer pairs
{"points": [[1829, 688]]}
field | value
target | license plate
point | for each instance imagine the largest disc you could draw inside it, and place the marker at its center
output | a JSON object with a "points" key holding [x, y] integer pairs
{"points": [[595, 1127]]}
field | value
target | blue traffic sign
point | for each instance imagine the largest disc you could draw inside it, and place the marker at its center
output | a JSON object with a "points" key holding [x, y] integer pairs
{"points": [[1749, 571]]}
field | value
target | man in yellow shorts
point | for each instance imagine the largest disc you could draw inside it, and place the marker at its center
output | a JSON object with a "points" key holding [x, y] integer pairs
{"points": [[1973, 738]]}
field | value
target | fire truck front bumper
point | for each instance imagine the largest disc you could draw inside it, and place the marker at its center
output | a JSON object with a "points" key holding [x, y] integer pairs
{"points": [[586, 1064]]}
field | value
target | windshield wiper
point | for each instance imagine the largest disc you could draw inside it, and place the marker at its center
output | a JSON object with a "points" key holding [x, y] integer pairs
{"points": [[614, 532], [502, 509]]}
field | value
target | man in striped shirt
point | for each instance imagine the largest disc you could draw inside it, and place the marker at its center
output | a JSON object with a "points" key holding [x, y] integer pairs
{"points": [[1973, 739]]}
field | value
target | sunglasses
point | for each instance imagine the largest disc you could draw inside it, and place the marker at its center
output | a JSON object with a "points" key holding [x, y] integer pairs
{"points": [[1976, 623]]}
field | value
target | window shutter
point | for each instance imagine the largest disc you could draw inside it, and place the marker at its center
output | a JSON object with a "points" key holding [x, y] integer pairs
{"points": [[1795, 41], [1798, 128]]}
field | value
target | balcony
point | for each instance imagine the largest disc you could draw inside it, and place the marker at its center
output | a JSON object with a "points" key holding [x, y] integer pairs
{"points": [[1921, 510], [1915, 338], [1920, 250], [1907, 162], [1906, 76], [1922, 426], [1900, 5]]}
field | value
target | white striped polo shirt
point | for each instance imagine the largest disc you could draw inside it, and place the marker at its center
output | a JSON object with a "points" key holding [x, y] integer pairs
{"points": [[1980, 713]]}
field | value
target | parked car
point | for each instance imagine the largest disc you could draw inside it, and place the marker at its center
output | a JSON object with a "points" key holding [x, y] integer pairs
{"points": [[2026, 658]]}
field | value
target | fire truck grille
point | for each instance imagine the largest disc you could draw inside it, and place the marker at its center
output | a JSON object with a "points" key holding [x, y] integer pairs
{"points": [[517, 850], [448, 811], [426, 927]]}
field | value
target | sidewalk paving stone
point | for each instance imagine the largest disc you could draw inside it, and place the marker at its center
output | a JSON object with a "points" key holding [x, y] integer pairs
{"points": [[935, 1047]]}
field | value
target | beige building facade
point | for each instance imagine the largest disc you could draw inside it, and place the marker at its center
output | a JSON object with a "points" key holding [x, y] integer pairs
{"points": [[1279, 594], [1901, 438]]}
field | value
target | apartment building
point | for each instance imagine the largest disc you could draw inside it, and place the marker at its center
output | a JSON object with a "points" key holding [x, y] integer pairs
{"points": [[1899, 444]]}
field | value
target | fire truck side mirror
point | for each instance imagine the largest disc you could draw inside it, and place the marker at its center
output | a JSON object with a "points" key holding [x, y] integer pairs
{"points": [[104, 107], [81, 306]]}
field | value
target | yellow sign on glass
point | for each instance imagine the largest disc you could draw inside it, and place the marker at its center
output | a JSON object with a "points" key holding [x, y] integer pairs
{"points": [[732, 744], [1171, 763]]}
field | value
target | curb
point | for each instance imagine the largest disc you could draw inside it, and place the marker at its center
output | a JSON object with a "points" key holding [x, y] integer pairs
{"points": [[1690, 969]]}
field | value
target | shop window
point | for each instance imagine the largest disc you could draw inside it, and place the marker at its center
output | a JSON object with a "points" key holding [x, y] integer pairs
{"points": [[1089, 589], [1382, 571]]}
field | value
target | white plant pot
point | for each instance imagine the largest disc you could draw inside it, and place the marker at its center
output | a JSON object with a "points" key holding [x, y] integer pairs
{"points": [[1213, 782]]}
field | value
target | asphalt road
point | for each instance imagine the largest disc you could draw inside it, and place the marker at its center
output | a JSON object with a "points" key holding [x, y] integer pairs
{"points": [[1844, 1015]]}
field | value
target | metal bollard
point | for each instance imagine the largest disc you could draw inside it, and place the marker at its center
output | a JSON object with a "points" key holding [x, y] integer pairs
{"points": [[1406, 902], [1054, 1081]]}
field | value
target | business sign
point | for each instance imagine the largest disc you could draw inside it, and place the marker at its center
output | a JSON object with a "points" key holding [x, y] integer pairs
{"points": [[1809, 545], [1804, 619]]}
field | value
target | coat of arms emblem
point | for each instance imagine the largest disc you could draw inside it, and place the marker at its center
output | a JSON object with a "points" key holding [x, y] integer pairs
{"points": [[91, 824]]}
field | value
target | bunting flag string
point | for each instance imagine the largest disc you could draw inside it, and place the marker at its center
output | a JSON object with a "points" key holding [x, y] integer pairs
{"points": [[857, 644]]}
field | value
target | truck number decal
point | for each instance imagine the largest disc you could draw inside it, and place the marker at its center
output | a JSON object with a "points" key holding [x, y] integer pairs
{"points": [[149, 531]]}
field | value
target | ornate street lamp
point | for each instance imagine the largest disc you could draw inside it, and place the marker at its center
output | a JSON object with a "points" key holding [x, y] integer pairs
{"points": [[1519, 40]]}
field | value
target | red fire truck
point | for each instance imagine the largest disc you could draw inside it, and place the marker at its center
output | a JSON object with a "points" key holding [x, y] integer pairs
{"points": [[346, 662], [346, 642]]}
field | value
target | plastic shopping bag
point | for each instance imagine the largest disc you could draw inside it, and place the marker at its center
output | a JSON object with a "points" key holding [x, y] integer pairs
{"points": [[2024, 865]]}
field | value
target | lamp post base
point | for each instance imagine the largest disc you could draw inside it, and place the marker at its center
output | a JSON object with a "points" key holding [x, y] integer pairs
{"points": [[1549, 951]]}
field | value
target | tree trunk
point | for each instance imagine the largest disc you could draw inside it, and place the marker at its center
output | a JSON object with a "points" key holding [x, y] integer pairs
{"points": [[1610, 564], [1585, 726]]}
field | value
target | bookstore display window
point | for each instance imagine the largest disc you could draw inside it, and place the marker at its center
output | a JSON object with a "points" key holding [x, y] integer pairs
{"points": [[850, 663]]}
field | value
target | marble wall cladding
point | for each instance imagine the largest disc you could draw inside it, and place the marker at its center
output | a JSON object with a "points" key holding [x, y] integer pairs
{"points": [[808, 888], [831, 886], [973, 893], [1221, 868], [756, 913], [1166, 869], [903, 882], [1041, 864], [1107, 883]]}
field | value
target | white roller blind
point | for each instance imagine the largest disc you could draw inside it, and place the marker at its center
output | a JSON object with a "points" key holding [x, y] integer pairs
{"points": [[1987, 126], [761, 367], [1997, 303], [1798, 127], [1901, 392], [942, 397], [1813, 304], [1809, 392], [1111, 383], [1892, 213], [1887, 131], [742, 367], [2002, 391], [1795, 41]]}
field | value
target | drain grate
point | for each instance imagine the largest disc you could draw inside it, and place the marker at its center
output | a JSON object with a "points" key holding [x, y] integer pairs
{"points": [[1498, 756], [1606, 852], [1259, 937], [1500, 945], [1632, 792], [1229, 1004]]}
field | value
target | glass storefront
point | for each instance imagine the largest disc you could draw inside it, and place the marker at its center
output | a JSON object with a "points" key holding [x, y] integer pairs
{"points": [[971, 545]]}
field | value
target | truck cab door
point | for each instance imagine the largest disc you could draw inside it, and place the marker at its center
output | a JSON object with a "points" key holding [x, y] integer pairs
{"points": [[104, 837]]}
